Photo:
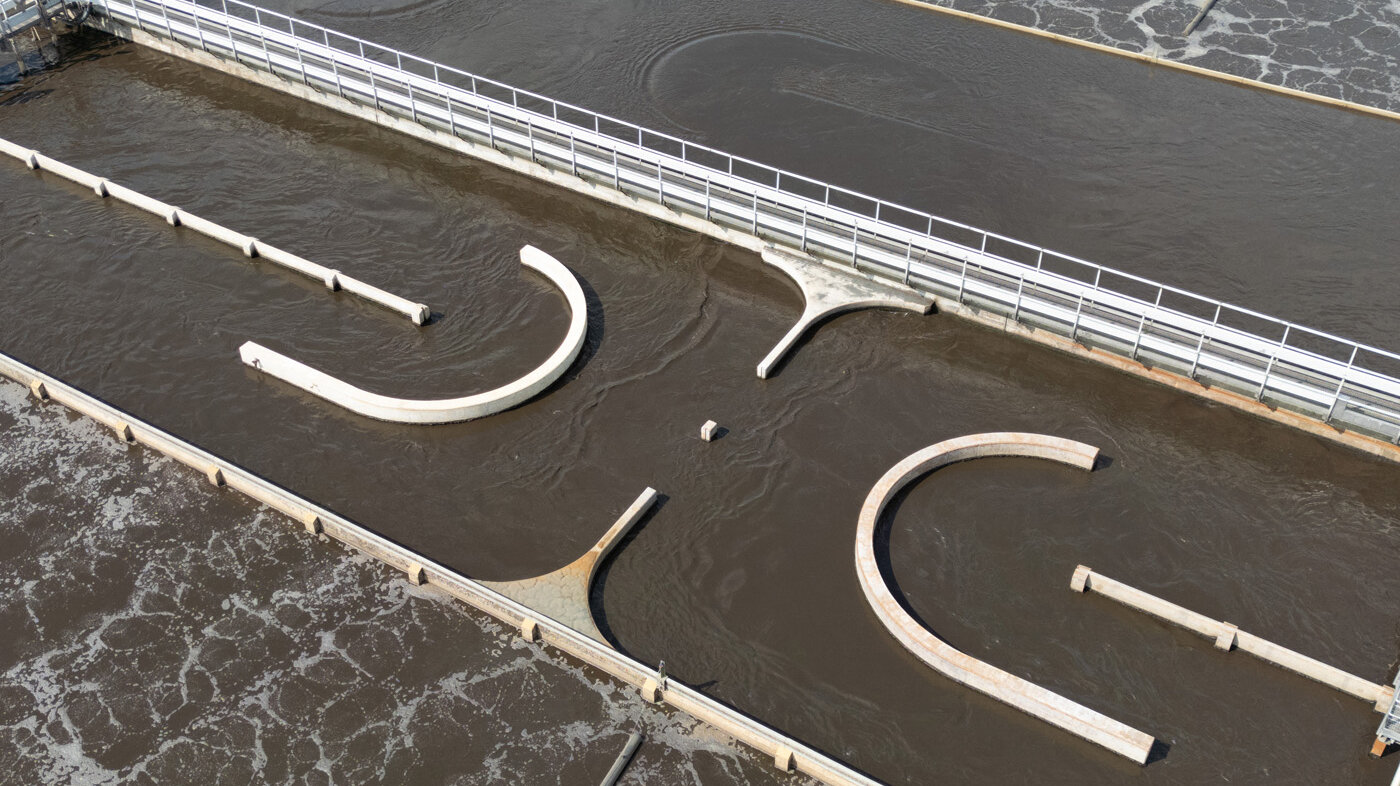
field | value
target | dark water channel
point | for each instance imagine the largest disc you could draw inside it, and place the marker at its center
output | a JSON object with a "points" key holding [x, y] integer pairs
{"points": [[743, 580]]}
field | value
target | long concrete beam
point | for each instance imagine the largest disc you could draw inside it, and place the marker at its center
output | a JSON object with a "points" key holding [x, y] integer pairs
{"points": [[787, 752], [1227, 636], [249, 245], [450, 410], [944, 658]]}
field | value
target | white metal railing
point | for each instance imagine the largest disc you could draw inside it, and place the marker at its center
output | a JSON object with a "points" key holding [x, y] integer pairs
{"points": [[1323, 376]]}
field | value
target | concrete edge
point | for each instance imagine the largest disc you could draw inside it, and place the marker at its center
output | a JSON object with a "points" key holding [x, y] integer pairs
{"points": [[1156, 61]]}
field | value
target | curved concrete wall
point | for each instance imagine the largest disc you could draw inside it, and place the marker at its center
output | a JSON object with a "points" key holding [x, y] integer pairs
{"points": [[451, 410], [250, 246], [976, 674]]}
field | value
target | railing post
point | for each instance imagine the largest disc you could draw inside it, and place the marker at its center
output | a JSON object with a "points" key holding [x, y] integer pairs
{"points": [[573, 153], [908, 262], [262, 38], [1200, 344], [1259, 396], [617, 172], [1142, 325], [301, 63], [490, 129], [660, 184], [335, 67], [530, 137], [164, 13], [198, 31], [1021, 285], [1341, 383], [755, 214], [962, 281], [1074, 330], [803, 244], [855, 242]]}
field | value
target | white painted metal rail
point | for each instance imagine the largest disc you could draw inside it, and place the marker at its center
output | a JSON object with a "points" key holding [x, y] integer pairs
{"points": [[1322, 376]]}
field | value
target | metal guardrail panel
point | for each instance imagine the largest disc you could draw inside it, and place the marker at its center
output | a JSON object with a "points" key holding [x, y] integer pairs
{"points": [[1044, 289]]}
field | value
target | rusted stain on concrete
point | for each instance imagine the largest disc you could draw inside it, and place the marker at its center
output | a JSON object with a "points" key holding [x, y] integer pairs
{"points": [[563, 594]]}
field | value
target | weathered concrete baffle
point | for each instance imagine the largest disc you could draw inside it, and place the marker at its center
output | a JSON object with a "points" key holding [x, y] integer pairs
{"points": [[978, 675]]}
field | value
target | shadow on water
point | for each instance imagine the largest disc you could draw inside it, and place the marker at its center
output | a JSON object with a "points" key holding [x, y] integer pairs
{"points": [[600, 579]]}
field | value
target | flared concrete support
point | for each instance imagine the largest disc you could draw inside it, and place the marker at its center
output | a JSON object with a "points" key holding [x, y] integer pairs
{"points": [[451, 410], [563, 594], [826, 292], [978, 675]]}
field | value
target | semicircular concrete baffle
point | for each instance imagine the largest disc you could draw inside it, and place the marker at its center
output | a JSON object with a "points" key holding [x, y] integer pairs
{"points": [[944, 658], [449, 410]]}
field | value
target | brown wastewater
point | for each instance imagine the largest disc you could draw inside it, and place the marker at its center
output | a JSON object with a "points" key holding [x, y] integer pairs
{"points": [[155, 630]]}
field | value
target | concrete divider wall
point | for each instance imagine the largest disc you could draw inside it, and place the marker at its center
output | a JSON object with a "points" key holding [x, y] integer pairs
{"points": [[988, 278], [250, 246], [941, 656], [1228, 637], [315, 518]]}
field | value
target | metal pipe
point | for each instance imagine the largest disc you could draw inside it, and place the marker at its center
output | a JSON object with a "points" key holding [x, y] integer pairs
{"points": [[622, 759]]}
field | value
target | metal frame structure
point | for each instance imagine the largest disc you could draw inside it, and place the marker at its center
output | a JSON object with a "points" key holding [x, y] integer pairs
{"points": [[1330, 379]]}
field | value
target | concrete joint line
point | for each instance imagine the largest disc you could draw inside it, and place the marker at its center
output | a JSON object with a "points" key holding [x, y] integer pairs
{"points": [[452, 410], [939, 655]]}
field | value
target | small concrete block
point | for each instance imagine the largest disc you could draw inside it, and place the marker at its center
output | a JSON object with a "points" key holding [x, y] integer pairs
{"points": [[33, 160], [529, 629], [1079, 582], [215, 475], [422, 315], [312, 523], [707, 431], [333, 281], [1226, 638], [37, 389], [784, 759], [651, 690], [250, 248], [173, 217], [1378, 748], [416, 575], [100, 189], [125, 434]]}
